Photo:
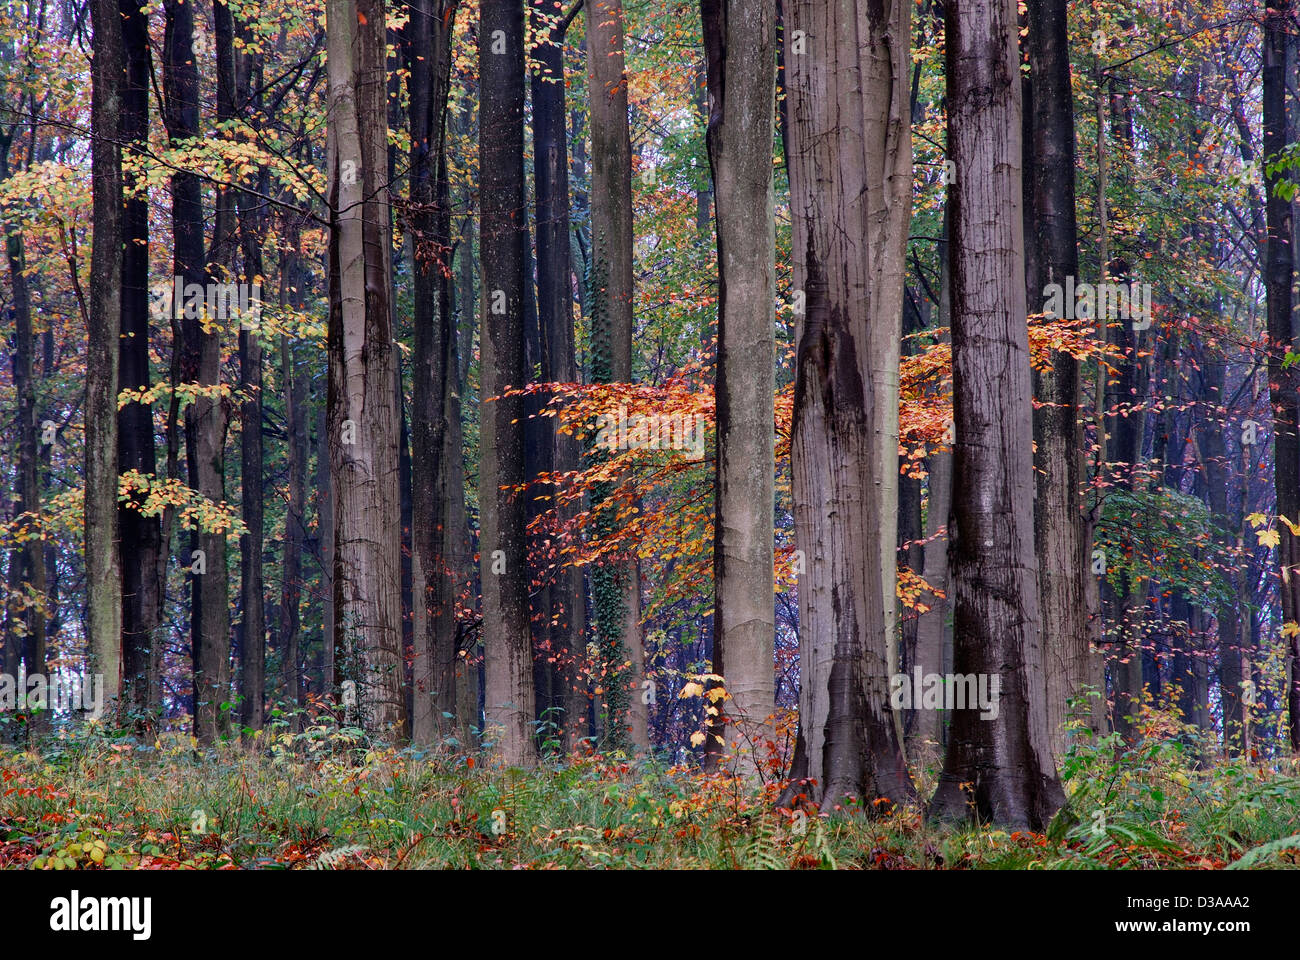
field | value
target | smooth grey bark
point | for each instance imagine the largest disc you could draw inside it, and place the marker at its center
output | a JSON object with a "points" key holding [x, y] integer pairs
{"points": [[740, 42]]}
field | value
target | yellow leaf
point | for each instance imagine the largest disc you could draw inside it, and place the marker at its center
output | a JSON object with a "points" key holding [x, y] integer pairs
{"points": [[1269, 538], [697, 738], [1295, 529], [1291, 629]]}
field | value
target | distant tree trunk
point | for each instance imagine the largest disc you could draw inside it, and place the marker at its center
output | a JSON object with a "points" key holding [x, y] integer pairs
{"points": [[616, 585], [933, 648], [739, 40], [1218, 477], [848, 137], [555, 320], [141, 590], [436, 463], [1278, 272], [27, 561], [1006, 757], [103, 582], [325, 531], [363, 422], [295, 530], [503, 560], [1060, 525]]}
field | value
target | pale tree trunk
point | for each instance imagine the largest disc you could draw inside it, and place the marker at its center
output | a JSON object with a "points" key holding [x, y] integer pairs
{"points": [[503, 562], [1060, 525], [616, 585], [739, 39], [849, 138], [103, 583], [1006, 756], [363, 421]]}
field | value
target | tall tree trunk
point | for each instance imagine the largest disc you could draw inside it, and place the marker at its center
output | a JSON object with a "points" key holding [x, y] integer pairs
{"points": [[1060, 525], [508, 695], [555, 319], [849, 137], [141, 589], [740, 42], [1279, 269], [363, 422], [435, 376], [103, 582], [616, 585], [252, 591], [1003, 750], [206, 426]]}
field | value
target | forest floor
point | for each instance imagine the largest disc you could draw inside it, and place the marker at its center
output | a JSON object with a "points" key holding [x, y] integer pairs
{"points": [[322, 799]]}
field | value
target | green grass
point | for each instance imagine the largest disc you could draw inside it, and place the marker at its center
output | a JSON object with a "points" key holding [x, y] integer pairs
{"points": [[326, 800]]}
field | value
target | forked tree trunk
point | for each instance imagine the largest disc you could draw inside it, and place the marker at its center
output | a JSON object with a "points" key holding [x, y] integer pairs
{"points": [[363, 422], [1001, 754], [739, 40], [847, 70]]}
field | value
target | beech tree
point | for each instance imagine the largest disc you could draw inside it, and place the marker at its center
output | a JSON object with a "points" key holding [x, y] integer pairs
{"points": [[363, 424], [1278, 274], [503, 563], [739, 37], [616, 584], [435, 423], [103, 579], [1007, 757], [848, 139], [1060, 526]]}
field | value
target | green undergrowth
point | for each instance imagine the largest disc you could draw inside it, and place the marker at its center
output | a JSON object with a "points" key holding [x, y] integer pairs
{"points": [[326, 799]]}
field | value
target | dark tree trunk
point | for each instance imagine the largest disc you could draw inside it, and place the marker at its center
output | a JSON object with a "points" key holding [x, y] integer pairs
{"points": [[436, 464], [103, 581], [1006, 757], [503, 561], [141, 589], [1278, 271], [252, 593]]}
